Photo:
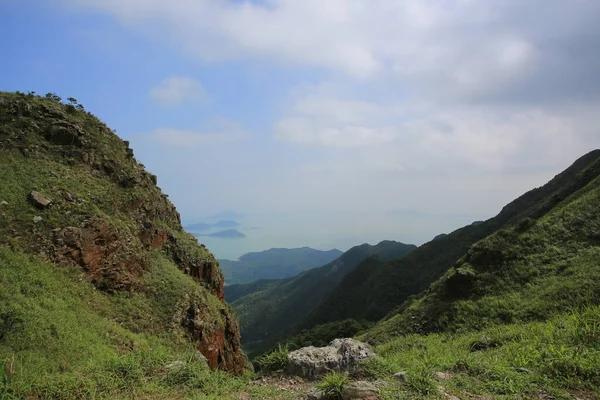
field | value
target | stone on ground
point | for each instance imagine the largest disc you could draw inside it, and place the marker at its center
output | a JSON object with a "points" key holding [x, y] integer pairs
{"points": [[360, 390], [341, 355], [39, 200]]}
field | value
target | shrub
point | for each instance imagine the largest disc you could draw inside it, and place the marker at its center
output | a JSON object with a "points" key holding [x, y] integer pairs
{"points": [[275, 360], [332, 385]]}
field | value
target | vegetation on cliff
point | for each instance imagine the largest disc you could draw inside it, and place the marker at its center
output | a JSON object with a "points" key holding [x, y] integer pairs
{"points": [[100, 287]]}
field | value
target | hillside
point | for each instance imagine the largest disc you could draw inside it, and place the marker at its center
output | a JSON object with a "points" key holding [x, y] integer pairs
{"points": [[274, 264], [527, 272], [274, 311], [517, 316], [100, 287], [374, 289]]}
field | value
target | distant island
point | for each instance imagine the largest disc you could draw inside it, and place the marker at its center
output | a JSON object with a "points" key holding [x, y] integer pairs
{"points": [[227, 234], [202, 226]]}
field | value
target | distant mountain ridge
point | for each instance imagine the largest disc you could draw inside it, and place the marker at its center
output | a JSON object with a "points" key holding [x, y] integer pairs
{"points": [[226, 234], [278, 306], [275, 263]]}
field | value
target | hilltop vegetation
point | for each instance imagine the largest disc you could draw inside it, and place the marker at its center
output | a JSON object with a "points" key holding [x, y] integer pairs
{"points": [[274, 264]]}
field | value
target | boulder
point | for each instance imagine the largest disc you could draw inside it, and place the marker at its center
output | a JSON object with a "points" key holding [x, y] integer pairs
{"points": [[342, 355], [360, 390], [39, 200]]}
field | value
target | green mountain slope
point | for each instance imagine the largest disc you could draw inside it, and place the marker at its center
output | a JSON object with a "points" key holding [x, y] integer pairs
{"points": [[100, 287], [527, 272], [274, 264], [517, 316], [234, 292], [374, 289], [268, 314]]}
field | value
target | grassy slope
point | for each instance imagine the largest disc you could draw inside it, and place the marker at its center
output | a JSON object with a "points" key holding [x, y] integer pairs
{"points": [[269, 314], [60, 338], [522, 273], [274, 264], [517, 316], [556, 359], [372, 292]]}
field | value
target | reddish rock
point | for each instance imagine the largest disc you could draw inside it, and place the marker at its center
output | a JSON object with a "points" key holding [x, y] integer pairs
{"points": [[154, 238], [220, 343], [102, 253]]}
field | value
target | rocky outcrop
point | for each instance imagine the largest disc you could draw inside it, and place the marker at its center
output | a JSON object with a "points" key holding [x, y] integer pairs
{"points": [[64, 133], [112, 222], [109, 258], [341, 355], [217, 337]]}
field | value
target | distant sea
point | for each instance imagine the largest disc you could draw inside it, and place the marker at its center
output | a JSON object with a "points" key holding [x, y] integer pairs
{"points": [[326, 233]]}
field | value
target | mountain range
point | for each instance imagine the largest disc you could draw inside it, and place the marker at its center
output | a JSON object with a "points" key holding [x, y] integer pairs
{"points": [[274, 263], [271, 309]]}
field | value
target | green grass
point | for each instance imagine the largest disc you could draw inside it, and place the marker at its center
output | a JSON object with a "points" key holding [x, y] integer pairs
{"points": [[60, 338], [275, 361], [332, 385], [557, 357]]}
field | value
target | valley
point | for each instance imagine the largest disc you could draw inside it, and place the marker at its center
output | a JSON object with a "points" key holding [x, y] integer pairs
{"points": [[105, 295]]}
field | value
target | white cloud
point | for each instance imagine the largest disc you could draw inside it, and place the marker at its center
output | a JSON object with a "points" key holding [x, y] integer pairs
{"points": [[435, 105], [429, 136], [220, 132], [447, 49], [177, 89]]}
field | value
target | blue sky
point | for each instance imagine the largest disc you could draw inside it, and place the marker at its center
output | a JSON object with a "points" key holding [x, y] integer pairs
{"points": [[325, 123]]}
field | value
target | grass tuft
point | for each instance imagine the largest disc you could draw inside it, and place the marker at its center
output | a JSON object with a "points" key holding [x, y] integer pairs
{"points": [[332, 385]]}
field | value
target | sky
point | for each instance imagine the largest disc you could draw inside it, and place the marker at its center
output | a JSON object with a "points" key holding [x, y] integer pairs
{"points": [[325, 123]]}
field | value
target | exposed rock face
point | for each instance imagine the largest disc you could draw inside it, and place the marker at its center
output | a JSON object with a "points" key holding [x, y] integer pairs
{"points": [[340, 355], [360, 390], [108, 257], [64, 133], [218, 339]]}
